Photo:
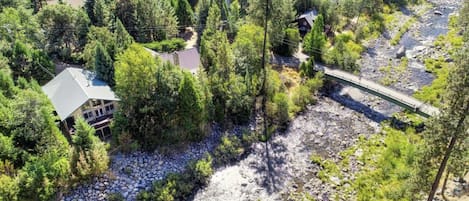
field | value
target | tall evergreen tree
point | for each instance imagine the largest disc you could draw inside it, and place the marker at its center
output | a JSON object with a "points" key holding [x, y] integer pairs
{"points": [[184, 13], [447, 134], [89, 9], [201, 14], [89, 157], [213, 19], [316, 39], [104, 65], [281, 13], [101, 13], [213, 23], [123, 38], [191, 107]]}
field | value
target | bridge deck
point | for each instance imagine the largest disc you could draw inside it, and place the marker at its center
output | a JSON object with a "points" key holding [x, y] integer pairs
{"points": [[386, 92]]}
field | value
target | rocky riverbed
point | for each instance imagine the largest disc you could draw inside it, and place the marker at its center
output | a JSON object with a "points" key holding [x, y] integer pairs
{"points": [[275, 170], [131, 173], [326, 128]]}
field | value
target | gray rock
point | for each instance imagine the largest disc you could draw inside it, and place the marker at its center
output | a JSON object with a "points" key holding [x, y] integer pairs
{"points": [[400, 52]]}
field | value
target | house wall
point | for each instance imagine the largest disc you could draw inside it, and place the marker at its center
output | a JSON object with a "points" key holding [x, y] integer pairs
{"points": [[94, 110], [303, 26]]}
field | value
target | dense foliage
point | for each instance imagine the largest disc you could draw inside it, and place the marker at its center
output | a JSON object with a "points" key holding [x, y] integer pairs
{"points": [[89, 155], [35, 162], [164, 105], [34, 154], [165, 94]]}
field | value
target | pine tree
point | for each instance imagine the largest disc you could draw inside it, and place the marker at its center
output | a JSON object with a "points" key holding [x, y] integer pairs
{"points": [[315, 39], [89, 8], [101, 13], [191, 108], [89, 157], [213, 19], [447, 133], [104, 65], [123, 38], [184, 13], [84, 135]]}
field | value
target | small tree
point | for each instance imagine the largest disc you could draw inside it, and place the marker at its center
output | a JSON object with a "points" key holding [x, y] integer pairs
{"points": [[89, 157], [307, 68], [191, 109], [316, 39]]}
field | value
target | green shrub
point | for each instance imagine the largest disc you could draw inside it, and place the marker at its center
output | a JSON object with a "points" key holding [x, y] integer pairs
{"points": [[180, 186], [9, 189], [345, 53], [281, 114], [290, 42], [433, 93], [201, 170], [307, 68], [170, 45], [126, 144], [304, 93], [115, 197], [228, 151], [369, 28], [143, 196], [402, 30], [389, 168], [248, 138]]}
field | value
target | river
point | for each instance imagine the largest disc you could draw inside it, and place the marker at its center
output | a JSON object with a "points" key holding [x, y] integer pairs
{"points": [[275, 169]]}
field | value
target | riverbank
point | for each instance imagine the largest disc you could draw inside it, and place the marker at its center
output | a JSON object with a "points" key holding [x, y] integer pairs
{"points": [[281, 169]]}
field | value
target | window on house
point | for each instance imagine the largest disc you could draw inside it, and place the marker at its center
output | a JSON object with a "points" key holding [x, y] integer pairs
{"points": [[85, 115], [107, 108], [97, 113], [90, 114], [111, 107]]}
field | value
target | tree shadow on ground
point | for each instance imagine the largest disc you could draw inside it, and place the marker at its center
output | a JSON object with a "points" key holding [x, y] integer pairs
{"points": [[272, 166]]}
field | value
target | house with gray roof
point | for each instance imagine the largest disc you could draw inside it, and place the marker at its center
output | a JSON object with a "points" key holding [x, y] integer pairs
{"points": [[188, 59], [77, 93], [306, 21]]}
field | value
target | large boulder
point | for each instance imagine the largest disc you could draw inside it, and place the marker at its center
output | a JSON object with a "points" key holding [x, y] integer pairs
{"points": [[400, 52]]}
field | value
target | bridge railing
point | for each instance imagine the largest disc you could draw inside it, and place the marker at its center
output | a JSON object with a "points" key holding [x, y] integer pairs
{"points": [[373, 88]]}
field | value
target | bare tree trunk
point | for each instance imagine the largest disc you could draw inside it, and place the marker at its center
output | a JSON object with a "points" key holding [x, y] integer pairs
{"points": [[447, 154], [443, 188], [442, 168]]}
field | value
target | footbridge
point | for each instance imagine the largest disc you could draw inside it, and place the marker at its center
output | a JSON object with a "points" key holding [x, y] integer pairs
{"points": [[376, 89]]}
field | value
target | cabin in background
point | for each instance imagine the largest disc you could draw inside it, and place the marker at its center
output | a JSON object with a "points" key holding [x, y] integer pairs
{"points": [[306, 21]]}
